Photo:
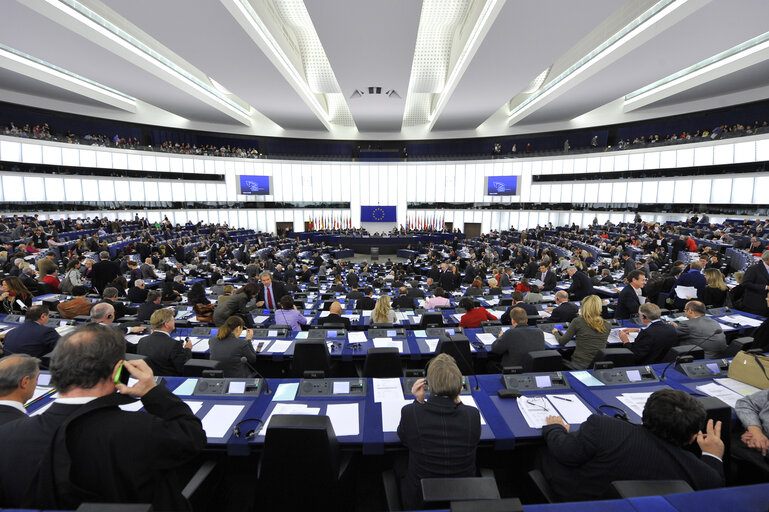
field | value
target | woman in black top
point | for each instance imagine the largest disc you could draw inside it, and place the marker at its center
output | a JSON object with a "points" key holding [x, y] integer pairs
{"points": [[714, 293]]}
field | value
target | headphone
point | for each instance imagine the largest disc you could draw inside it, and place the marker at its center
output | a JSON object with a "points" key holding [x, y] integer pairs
{"points": [[616, 412], [251, 433]]}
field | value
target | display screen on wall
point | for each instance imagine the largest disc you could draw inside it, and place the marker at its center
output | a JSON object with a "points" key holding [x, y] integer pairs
{"points": [[378, 214], [502, 185], [255, 185]]}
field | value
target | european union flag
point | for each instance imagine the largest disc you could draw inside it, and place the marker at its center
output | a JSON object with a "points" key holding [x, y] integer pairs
{"points": [[378, 214]]}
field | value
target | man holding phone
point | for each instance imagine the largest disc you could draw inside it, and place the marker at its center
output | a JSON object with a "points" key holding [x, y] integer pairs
{"points": [[85, 447]]}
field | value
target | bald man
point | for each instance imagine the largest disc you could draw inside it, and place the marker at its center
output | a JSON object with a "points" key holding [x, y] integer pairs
{"points": [[335, 316]]}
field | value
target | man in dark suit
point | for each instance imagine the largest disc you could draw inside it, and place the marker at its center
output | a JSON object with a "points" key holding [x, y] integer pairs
{"points": [[18, 379], [581, 286], [440, 432], [628, 301], [366, 303], [152, 304], [32, 337], [548, 278], [564, 311], [530, 309], [94, 451], [515, 343], [506, 279], [756, 284], [104, 271], [447, 280], [270, 292], [581, 466], [653, 341], [137, 294], [335, 316], [530, 271], [693, 278], [403, 301], [166, 355], [628, 264], [121, 310]]}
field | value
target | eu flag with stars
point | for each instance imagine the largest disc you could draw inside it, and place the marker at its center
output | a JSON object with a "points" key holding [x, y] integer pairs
{"points": [[378, 214]]}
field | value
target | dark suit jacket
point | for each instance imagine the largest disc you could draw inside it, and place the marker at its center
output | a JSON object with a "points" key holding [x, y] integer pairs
{"points": [[530, 309], [145, 311], [229, 350], [121, 309], [447, 281], [111, 455], [31, 338], [335, 319], [581, 286], [695, 279], [441, 437], [653, 342], [550, 281], [515, 343], [166, 354], [9, 414], [627, 303], [366, 303], [137, 295], [104, 272], [278, 291], [582, 465], [403, 302], [755, 282], [566, 312]]}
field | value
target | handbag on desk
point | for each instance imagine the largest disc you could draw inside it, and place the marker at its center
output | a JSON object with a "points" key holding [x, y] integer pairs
{"points": [[751, 369]]}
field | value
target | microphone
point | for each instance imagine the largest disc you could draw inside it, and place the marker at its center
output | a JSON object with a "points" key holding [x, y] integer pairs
{"points": [[695, 346], [253, 370]]}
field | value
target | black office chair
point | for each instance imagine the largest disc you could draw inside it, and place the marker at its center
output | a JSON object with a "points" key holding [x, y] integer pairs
{"points": [[313, 479], [382, 363], [196, 367], [381, 325], [486, 323], [691, 350], [618, 356], [542, 361], [310, 355], [543, 486], [737, 344], [431, 320], [460, 351]]}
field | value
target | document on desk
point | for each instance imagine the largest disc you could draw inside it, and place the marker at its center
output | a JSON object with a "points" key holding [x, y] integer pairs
{"points": [[415, 319], [388, 342], [186, 388], [199, 345], [614, 336], [737, 386], [387, 390], [492, 302], [193, 405], [543, 314], [432, 344], [289, 409], [352, 316], [134, 338], [635, 401], [684, 292], [366, 312], [356, 337], [278, 346], [344, 419], [400, 316], [535, 410], [723, 393], [261, 319], [550, 340], [219, 420], [470, 401], [570, 408], [486, 337], [458, 317], [324, 314], [742, 320], [391, 414]]}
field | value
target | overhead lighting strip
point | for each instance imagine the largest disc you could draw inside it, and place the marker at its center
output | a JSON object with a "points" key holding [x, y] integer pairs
{"points": [[581, 64], [148, 53]]}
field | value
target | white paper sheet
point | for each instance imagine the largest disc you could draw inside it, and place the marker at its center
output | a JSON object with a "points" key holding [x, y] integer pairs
{"points": [[391, 414], [550, 340], [133, 338], [543, 314], [278, 346], [469, 400], [535, 409], [685, 292], [219, 420], [486, 337], [388, 342], [193, 405], [261, 319], [635, 401], [737, 386], [723, 393], [356, 337], [432, 344], [200, 345], [344, 419], [324, 314], [614, 336], [742, 320], [386, 390], [570, 407]]}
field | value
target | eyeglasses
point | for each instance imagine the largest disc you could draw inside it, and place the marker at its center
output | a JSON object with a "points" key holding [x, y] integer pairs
{"points": [[537, 402]]}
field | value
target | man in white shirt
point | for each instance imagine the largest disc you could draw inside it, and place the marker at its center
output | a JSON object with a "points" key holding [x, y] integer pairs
{"points": [[18, 380]]}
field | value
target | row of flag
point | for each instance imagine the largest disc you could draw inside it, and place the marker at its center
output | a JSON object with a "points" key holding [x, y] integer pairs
{"points": [[323, 222], [426, 221]]}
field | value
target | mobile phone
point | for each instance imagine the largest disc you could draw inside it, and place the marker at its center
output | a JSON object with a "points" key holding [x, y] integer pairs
{"points": [[119, 372]]}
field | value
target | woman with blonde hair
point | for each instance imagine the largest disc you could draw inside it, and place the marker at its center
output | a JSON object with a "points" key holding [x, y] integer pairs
{"points": [[590, 330], [383, 313], [715, 291]]}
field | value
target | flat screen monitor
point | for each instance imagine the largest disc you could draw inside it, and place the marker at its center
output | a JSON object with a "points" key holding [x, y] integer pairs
{"points": [[502, 185], [255, 185]]}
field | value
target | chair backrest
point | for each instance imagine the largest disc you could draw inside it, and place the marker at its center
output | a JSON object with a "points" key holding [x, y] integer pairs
{"points": [[460, 351], [618, 356], [382, 363], [691, 350], [429, 319], [542, 361], [737, 344], [310, 355], [195, 367], [543, 485]]}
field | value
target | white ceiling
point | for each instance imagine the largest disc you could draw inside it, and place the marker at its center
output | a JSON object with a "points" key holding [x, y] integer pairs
{"points": [[307, 86]]}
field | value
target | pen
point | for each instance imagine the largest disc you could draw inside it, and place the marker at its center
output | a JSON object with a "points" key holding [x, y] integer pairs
{"points": [[562, 398]]}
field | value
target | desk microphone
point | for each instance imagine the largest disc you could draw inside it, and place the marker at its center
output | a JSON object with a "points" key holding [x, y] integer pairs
{"points": [[253, 371], [695, 346]]}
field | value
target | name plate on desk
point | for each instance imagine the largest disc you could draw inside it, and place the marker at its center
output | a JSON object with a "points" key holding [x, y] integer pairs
{"points": [[339, 388], [233, 387], [704, 369], [534, 381], [628, 375]]}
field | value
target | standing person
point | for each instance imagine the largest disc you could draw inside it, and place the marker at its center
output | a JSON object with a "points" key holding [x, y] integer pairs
{"points": [[104, 272], [229, 348], [439, 431], [629, 299], [270, 292], [590, 332]]}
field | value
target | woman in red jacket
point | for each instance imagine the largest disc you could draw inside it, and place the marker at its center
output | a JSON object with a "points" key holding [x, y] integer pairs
{"points": [[474, 316]]}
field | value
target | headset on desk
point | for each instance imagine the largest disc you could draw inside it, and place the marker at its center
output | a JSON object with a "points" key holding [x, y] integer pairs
{"points": [[251, 433], [615, 412]]}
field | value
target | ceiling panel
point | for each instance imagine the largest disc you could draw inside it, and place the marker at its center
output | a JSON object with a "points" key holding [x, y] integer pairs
{"points": [[17, 82]]}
